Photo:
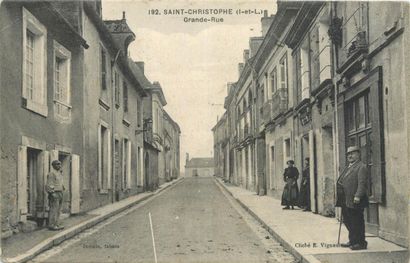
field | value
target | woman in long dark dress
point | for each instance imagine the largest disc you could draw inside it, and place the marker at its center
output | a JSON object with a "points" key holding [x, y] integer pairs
{"points": [[304, 194], [290, 192]]}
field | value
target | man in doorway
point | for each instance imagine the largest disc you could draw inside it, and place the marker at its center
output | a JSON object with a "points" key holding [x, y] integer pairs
{"points": [[352, 197], [55, 190]]}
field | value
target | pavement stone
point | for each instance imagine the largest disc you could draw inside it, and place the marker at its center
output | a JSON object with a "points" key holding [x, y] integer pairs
{"points": [[310, 237]]}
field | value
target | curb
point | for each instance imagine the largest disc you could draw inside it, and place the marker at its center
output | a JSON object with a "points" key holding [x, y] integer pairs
{"points": [[74, 230], [301, 258]]}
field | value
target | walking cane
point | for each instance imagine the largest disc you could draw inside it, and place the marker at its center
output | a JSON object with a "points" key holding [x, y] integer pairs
{"points": [[340, 228]]}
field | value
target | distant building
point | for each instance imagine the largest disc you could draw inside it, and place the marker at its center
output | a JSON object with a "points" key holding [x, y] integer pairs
{"points": [[201, 167]]}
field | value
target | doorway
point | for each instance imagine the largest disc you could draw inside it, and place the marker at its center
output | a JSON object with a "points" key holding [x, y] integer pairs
{"points": [[33, 187]]}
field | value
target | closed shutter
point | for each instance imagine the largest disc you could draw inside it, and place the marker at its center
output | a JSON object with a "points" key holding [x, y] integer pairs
{"points": [[75, 184], [22, 183]]}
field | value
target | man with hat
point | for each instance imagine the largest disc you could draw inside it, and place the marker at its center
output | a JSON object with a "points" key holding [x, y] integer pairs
{"points": [[55, 190], [352, 197]]}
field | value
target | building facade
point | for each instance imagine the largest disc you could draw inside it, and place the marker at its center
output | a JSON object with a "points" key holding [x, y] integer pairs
{"points": [[72, 93], [326, 76], [199, 167]]}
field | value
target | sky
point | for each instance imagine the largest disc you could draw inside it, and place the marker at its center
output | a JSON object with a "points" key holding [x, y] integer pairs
{"points": [[192, 61]]}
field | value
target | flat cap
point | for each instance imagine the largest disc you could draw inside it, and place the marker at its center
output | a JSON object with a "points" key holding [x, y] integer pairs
{"points": [[353, 149]]}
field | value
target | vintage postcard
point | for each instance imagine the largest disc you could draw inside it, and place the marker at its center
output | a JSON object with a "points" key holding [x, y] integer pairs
{"points": [[204, 131]]}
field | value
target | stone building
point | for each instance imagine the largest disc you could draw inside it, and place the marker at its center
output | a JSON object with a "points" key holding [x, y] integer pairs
{"points": [[172, 147], [221, 150], [275, 100], [41, 110], [72, 93], [199, 167], [329, 75], [370, 42], [314, 101]]}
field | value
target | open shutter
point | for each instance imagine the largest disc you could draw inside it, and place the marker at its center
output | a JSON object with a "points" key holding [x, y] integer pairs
{"points": [[42, 195], [278, 165], [109, 161], [341, 134], [129, 165], [22, 183], [75, 184], [123, 164], [377, 145], [100, 161]]}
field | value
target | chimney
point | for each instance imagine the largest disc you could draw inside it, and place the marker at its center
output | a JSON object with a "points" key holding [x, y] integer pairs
{"points": [[240, 68], [141, 65], [254, 44], [266, 21], [245, 56]]}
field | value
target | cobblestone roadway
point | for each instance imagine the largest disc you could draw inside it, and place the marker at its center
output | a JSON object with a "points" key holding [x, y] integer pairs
{"points": [[193, 222]]}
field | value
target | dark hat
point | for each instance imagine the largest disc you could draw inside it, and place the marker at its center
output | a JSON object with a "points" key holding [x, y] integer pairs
{"points": [[290, 161], [353, 149], [55, 162]]}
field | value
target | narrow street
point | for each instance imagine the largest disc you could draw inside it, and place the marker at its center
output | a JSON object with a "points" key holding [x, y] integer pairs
{"points": [[192, 221]]}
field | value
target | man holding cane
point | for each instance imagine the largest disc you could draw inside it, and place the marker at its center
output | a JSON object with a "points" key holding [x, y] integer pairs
{"points": [[352, 197]]}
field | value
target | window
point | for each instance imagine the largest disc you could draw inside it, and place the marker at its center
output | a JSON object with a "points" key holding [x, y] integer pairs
{"points": [[103, 68], [125, 95], [62, 59], [34, 88], [126, 164], [104, 158], [117, 89], [273, 79], [283, 71]]}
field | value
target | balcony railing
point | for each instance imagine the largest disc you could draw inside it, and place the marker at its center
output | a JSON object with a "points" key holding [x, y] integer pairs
{"points": [[279, 102]]}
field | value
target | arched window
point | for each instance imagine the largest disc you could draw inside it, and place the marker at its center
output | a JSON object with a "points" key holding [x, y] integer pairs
{"points": [[250, 97]]}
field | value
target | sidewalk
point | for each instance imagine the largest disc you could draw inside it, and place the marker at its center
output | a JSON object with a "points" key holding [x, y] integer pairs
{"points": [[311, 237], [25, 246]]}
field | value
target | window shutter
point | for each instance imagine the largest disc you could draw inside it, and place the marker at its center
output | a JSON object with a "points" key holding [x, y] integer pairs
{"points": [[129, 165], [45, 169], [341, 134], [278, 165], [75, 184], [123, 164], [22, 183], [100, 161], [108, 160], [377, 147]]}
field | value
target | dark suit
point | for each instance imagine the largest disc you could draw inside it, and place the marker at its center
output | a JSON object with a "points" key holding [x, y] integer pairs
{"points": [[353, 182]]}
